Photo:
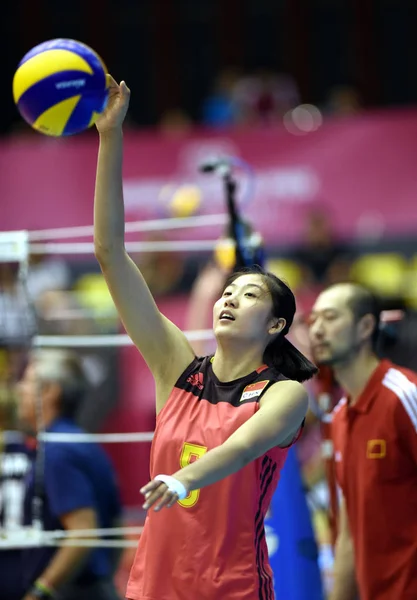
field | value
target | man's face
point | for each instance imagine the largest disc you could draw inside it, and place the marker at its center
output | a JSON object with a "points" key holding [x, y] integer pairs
{"points": [[28, 390], [333, 333]]}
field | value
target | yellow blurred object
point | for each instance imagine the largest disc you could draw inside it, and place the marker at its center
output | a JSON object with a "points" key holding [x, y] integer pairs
{"points": [[185, 201], [286, 269], [4, 364], [225, 254], [410, 283], [383, 273], [92, 292]]}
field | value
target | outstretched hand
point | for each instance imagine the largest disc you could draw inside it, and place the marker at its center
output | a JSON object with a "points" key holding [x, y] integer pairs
{"points": [[117, 105], [156, 492]]}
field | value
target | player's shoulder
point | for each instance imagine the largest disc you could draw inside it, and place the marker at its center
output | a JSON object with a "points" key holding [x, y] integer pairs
{"points": [[65, 425], [399, 381], [197, 365], [62, 449], [396, 372], [401, 385]]}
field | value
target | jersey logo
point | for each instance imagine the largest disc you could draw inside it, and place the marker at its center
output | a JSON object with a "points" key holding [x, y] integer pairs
{"points": [[196, 380], [338, 456], [253, 390], [14, 467], [376, 449]]}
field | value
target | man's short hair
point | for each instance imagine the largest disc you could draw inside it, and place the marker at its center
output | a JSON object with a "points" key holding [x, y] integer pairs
{"points": [[64, 368], [363, 302]]}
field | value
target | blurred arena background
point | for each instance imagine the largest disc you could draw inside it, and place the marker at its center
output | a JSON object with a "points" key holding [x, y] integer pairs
{"points": [[318, 101]]}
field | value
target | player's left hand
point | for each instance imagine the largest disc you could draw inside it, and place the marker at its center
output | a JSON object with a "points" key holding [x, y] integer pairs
{"points": [[158, 495]]}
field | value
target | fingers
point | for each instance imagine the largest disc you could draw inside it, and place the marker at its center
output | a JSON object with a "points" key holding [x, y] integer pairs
{"points": [[157, 493], [167, 500], [124, 89], [152, 492], [113, 85], [150, 487], [174, 500]]}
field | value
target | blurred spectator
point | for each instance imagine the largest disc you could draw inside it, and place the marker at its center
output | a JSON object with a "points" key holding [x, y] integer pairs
{"points": [[175, 121], [264, 98], [60, 312], [163, 271], [11, 362], [17, 319], [343, 100], [47, 273], [14, 468], [219, 108], [17, 327], [322, 257], [398, 340], [77, 488], [45, 304]]}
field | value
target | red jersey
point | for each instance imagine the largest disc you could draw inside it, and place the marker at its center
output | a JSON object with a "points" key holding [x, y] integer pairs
{"points": [[375, 444], [211, 545]]}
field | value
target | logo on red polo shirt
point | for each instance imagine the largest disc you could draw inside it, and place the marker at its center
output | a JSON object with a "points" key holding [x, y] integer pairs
{"points": [[376, 449], [196, 380]]}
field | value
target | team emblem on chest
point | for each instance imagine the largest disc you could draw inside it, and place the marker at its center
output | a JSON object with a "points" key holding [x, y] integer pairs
{"points": [[253, 390]]}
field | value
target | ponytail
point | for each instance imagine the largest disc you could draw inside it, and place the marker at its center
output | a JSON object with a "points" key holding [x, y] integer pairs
{"points": [[284, 356]]}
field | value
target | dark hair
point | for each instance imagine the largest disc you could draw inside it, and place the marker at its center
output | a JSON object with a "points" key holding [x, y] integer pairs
{"points": [[281, 353], [65, 369], [363, 302]]}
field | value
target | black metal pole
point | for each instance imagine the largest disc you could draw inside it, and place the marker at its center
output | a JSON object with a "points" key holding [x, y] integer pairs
{"points": [[236, 226]]}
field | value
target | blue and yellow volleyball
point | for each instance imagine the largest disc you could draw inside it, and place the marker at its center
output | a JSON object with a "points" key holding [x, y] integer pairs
{"points": [[60, 87]]}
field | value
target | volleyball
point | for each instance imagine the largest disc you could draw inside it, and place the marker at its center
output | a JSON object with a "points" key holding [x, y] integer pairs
{"points": [[60, 87]]}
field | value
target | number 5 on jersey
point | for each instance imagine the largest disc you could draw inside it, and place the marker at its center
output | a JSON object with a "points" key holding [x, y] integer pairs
{"points": [[190, 453]]}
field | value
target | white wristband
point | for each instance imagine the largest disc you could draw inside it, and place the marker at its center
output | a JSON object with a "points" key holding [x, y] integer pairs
{"points": [[173, 485]]}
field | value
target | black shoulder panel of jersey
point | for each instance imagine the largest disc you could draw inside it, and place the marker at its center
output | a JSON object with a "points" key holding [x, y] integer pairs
{"points": [[201, 382]]}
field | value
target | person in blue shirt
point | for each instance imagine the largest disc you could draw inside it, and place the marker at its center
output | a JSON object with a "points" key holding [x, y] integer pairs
{"points": [[15, 464], [75, 482]]}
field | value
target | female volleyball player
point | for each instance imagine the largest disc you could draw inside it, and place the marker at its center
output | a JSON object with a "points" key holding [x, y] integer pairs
{"points": [[224, 423]]}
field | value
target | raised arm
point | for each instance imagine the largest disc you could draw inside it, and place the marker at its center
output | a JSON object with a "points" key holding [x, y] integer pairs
{"points": [[163, 346]]}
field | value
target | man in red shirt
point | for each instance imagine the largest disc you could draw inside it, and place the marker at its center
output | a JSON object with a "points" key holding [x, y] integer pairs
{"points": [[374, 432]]}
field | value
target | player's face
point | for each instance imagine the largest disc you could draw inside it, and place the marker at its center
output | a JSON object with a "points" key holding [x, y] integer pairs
{"points": [[27, 394], [244, 309], [332, 330]]}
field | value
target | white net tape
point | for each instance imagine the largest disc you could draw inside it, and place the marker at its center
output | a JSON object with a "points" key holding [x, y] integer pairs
{"points": [[131, 227], [104, 341], [81, 533], [17, 245], [158, 246], [29, 537], [87, 438]]}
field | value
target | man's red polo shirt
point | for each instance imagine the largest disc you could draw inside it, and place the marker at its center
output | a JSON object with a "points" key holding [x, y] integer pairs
{"points": [[375, 446]]}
